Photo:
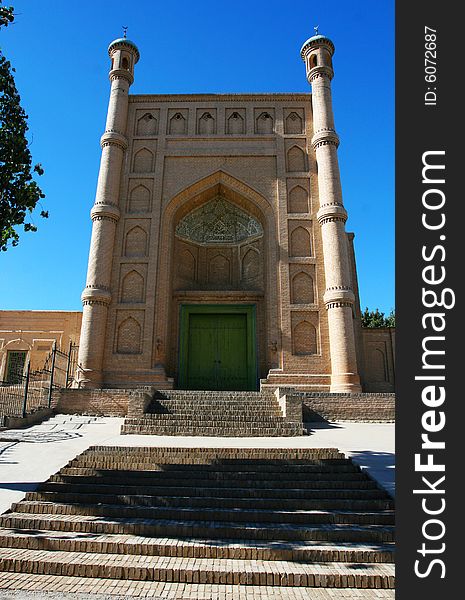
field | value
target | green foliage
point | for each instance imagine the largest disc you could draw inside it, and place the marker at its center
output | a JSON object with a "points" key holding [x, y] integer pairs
{"points": [[19, 193], [375, 318]]}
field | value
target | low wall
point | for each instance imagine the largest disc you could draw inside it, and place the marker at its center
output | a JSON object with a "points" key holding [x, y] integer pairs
{"points": [[32, 419], [107, 403], [323, 406]]}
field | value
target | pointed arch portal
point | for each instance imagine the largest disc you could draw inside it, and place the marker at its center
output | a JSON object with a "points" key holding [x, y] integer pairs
{"points": [[217, 312]]}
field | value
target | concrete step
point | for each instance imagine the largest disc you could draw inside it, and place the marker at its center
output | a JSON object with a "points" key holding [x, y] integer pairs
{"points": [[199, 529], [201, 570], [215, 549], [236, 515], [211, 502]]}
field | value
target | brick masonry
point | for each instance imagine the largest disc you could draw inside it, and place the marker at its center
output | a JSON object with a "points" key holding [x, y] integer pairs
{"points": [[370, 407]]}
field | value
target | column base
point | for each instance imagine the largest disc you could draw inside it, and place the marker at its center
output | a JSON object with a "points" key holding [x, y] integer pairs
{"points": [[346, 383], [89, 380]]}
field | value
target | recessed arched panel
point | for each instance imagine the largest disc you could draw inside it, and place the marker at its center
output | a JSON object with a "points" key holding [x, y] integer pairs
{"points": [[186, 266], [128, 339], [132, 287], [251, 274], [235, 124], [206, 124], [296, 159], [293, 123], [177, 124], [219, 270], [147, 125], [300, 244], [376, 366], [297, 200], [302, 289], [143, 161], [304, 339], [264, 123], [139, 200], [136, 242]]}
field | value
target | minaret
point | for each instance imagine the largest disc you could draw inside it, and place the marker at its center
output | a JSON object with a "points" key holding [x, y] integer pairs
{"points": [[339, 297], [105, 214]]}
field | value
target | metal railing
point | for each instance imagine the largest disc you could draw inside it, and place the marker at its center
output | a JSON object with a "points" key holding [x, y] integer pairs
{"points": [[37, 389]]}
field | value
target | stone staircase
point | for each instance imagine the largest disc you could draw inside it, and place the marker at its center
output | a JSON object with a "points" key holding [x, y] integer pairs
{"points": [[229, 414], [285, 518]]}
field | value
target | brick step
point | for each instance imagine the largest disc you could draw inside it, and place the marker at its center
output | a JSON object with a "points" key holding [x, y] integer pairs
{"points": [[247, 455], [247, 572], [213, 549], [246, 403], [213, 414], [219, 492], [195, 473], [209, 420], [211, 431], [219, 416], [219, 394], [198, 529], [236, 515], [204, 482], [182, 469], [208, 502], [147, 459], [120, 590]]}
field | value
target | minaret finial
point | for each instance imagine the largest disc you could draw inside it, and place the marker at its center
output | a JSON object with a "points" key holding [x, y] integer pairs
{"points": [[316, 29], [125, 31]]}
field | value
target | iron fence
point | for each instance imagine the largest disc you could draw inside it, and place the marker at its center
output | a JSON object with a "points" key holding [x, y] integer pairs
{"points": [[33, 390]]}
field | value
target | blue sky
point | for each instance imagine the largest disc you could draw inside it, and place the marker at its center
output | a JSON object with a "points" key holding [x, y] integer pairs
{"points": [[59, 50]]}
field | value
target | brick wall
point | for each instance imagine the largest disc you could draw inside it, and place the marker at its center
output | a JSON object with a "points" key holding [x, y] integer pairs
{"points": [[348, 407], [110, 403]]}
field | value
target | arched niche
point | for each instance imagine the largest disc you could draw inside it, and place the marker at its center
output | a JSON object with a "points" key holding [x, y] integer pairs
{"points": [[135, 242], [143, 161], [132, 287], [297, 201], [300, 242], [302, 290], [296, 159], [304, 339], [128, 337]]}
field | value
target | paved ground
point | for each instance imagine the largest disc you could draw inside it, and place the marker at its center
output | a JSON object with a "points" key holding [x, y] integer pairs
{"points": [[118, 590], [29, 456]]}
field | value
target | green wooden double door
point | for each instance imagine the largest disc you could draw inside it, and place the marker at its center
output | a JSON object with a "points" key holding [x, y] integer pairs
{"points": [[217, 348]]}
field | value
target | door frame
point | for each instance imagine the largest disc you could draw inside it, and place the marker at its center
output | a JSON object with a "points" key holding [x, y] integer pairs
{"points": [[218, 309]]}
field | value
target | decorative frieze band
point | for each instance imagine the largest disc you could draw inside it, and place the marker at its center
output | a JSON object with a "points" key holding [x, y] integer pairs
{"points": [[114, 138], [108, 212], [317, 72], [338, 305], [331, 212], [323, 137], [338, 294], [121, 74], [96, 295]]}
